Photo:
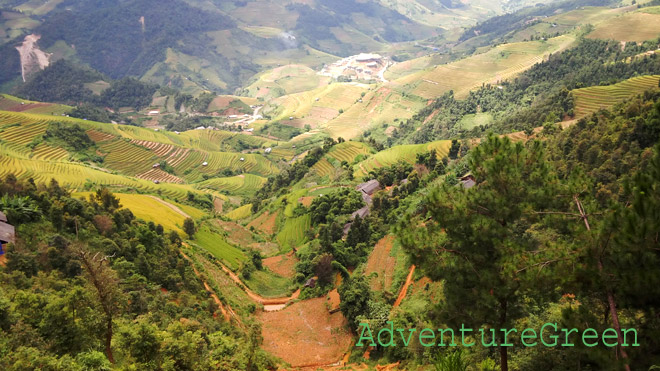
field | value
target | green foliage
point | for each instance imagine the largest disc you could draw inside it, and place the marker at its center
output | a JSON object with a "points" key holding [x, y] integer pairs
{"points": [[72, 136], [57, 315], [453, 361], [128, 92], [501, 242], [528, 101], [189, 227], [19, 209], [355, 296], [61, 81], [281, 131], [109, 37], [341, 202]]}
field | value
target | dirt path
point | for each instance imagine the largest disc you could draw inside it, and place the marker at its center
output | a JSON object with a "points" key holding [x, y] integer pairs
{"points": [[404, 289], [256, 297], [208, 288], [176, 209]]}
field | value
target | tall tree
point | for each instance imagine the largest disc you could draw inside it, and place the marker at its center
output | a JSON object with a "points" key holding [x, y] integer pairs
{"points": [[189, 227], [490, 243], [105, 282]]}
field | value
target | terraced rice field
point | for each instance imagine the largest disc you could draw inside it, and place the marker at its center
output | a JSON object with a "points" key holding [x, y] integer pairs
{"points": [[500, 63], [323, 167], [99, 136], [179, 156], [307, 109], [406, 153], [377, 107], [265, 223], [149, 209], [211, 240], [240, 212], [76, 175], [207, 140], [287, 79], [49, 153], [590, 100], [160, 176], [292, 233], [127, 158], [348, 151], [637, 26], [159, 149], [252, 163], [243, 184], [21, 131]]}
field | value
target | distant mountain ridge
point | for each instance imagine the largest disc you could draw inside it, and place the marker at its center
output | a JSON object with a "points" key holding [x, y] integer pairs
{"points": [[199, 45]]}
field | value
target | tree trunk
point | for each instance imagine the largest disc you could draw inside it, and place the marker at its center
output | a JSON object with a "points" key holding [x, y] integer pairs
{"points": [[610, 296], [504, 356], [108, 342], [615, 320]]}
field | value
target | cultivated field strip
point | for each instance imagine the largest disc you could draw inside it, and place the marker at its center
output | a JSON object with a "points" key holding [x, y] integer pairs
{"points": [[24, 133], [49, 153], [176, 157], [77, 175], [159, 175], [592, 99], [406, 153], [126, 157], [323, 167], [99, 136], [240, 184], [348, 151], [159, 149]]}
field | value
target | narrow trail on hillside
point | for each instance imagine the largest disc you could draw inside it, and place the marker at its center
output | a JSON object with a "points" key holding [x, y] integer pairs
{"points": [[173, 207], [256, 297], [404, 289], [208, 288]]}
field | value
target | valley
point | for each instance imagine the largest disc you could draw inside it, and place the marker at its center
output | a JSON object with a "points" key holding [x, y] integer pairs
{"points": [[239, 184]]}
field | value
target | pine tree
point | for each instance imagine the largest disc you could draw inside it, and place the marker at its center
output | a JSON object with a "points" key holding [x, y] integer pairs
{"points": [[487, 243]]}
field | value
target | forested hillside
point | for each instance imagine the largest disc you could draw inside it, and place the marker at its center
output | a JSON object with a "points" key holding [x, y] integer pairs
{"points": [[356, 185]]}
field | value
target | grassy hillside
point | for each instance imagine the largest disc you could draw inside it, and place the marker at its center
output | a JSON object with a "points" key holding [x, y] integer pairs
{"points": [[638, 26], [497, 64], [406, 153]]}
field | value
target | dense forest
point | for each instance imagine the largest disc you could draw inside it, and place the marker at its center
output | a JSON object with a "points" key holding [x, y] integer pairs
{"points": [[87, 285], [562, 230], [108, 34], [64, 82]]}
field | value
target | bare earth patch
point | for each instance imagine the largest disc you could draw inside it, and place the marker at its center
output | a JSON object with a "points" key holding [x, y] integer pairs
{"points": [[382, 263], [264, 223], [282, 264], [306, 200], [305, 334]]}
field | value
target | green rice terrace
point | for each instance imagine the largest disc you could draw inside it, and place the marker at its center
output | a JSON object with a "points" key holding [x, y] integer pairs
{"points": [[592, 99]]}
